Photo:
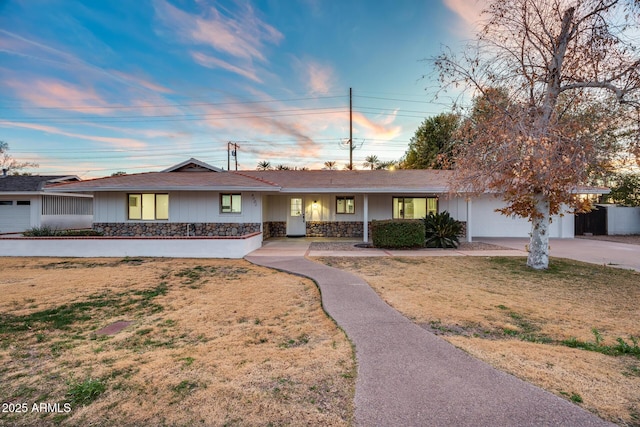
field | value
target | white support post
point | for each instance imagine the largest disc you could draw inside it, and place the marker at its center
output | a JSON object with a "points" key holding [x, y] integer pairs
{"points": [[469, 219], [365, 219]]}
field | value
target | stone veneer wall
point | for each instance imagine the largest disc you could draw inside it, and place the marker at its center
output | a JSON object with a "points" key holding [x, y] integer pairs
{"points": [[274, 229], [154, 229], [335, 229], [327, 229]]}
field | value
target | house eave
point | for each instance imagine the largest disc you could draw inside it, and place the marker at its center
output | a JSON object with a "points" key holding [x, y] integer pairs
{"points": [[164, 189]]}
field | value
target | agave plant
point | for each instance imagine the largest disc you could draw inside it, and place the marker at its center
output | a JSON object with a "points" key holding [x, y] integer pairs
{"points": [[441, 231]]}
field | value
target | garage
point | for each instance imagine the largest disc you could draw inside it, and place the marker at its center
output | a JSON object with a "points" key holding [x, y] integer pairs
{"points": [[15, 216], [486, 222]]}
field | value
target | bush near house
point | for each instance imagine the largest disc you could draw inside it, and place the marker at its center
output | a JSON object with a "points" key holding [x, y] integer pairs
{"points": [[397, 234], [441, 230], [46, 231]]}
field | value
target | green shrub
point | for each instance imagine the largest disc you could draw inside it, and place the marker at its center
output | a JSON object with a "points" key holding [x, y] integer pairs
{"points": [[85, 392], [46, 231], [441, 231], [397, 234]]}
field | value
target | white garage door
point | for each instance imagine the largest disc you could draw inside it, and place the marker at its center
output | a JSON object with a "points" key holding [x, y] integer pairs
{"points": [[14, 218], [486, 222]]}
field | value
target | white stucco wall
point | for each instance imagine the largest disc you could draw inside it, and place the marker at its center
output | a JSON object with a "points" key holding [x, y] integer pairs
{"points": [[123, 247], [65, 222], [623, 220]]}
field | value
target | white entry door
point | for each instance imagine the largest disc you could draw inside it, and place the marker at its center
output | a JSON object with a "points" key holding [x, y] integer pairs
{"points": [[296, 225]]}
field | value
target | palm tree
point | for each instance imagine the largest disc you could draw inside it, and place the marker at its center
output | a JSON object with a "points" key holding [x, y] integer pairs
{"points": [[391, 164], [282, 168], [371, 162], [331, 165], [264, 165]]}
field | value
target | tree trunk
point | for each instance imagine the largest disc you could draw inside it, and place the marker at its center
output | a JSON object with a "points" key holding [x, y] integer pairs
{"points": [[539, 243]]}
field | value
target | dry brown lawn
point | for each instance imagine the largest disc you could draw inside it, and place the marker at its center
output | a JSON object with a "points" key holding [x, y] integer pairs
{"points": [[212, 342], [521, 321]]}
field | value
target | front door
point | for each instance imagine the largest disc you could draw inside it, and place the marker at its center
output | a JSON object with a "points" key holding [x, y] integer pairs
{"points": [[296, 225]]}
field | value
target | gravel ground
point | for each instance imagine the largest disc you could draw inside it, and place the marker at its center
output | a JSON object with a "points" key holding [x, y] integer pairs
{"points": [[632, 239], [350, 246]]}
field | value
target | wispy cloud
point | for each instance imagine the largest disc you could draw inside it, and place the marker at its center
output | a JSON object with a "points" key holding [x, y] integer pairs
{"points": [[121, 143], [142, 82], [56, 94], [241, 35], [469, 11], [381, 130], [320, 77], [211, 62]]}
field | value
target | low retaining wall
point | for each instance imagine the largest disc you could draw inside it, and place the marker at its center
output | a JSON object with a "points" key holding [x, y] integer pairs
{"points": [[172, 247], [274, 229], [187, 229]]}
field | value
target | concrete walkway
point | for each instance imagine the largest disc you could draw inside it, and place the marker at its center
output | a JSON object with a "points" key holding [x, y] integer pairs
{"points": [[602, 252], [409, 377]]}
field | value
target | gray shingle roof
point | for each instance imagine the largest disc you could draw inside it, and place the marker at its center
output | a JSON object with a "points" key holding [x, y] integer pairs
{"points": [[26, 183]]}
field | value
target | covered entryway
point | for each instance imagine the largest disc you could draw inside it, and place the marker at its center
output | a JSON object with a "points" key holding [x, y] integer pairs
{"points": [[296, 223]]}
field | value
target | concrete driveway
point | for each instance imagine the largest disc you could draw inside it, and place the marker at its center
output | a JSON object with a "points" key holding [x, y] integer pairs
{"points": [[621, 255]]}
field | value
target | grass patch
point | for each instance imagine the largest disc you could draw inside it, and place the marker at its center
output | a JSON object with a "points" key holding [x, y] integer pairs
{"points": [[182, 347], [86, 391], [572, 327]]}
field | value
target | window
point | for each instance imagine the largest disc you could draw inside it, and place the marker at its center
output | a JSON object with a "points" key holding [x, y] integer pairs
{"points": [[414, 207], [230, 203], [148, 206], [6, 202], [345, 205], [23, 202], [296, 206]]}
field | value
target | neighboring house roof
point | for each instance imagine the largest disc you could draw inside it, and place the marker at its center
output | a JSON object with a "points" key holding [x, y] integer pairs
{"points": [[31, 183]]}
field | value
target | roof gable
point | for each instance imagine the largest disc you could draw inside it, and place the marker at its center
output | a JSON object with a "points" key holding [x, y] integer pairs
{"points": [[192, 165]]}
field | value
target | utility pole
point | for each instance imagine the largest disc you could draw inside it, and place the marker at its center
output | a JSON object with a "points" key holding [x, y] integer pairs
{"points": [[350, 129], [232, 153]]}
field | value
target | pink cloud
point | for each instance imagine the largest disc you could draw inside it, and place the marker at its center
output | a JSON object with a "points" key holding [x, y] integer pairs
{"points": [[320, 78], [469, 11], [242, 36], [123, 143], [375, 130], [56, 94]]}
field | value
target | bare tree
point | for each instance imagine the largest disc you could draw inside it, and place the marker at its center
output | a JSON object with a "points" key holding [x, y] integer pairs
{"points": [[553, 60], [8, 163]]}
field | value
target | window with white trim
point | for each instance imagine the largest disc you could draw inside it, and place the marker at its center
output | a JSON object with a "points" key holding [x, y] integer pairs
{"points": [[231, 203], [414, 207], [148, 206], [345, 205]]}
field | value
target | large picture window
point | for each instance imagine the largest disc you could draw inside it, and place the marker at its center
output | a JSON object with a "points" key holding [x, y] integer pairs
{"points": [[148, 206], [345, 205], [231, 203], [414, 207]]}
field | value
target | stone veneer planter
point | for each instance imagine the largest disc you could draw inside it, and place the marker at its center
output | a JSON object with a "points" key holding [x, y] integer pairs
{"points": [[160, 229]]}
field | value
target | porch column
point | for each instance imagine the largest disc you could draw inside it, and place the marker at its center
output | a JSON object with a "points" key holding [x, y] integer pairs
{"points": [[365, 219], [468, 219]]}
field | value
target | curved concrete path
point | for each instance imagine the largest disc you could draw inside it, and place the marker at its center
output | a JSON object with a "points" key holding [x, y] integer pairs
{"points": [[409, 377]]}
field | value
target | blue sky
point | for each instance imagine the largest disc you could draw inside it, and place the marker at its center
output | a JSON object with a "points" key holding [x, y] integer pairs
{"points": [[91, 88]]}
